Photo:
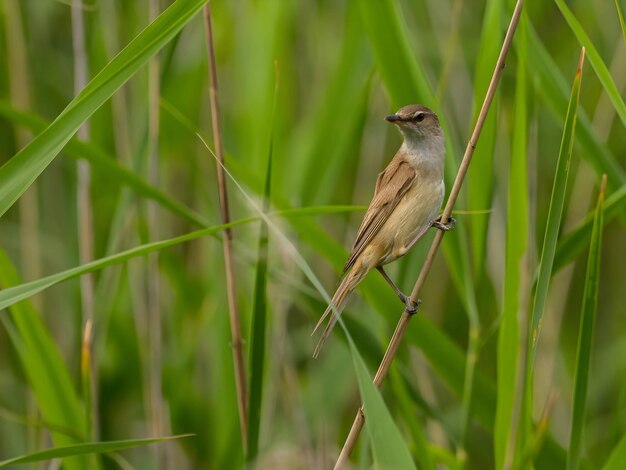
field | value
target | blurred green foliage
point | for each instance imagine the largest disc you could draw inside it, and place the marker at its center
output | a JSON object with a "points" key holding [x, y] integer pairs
{"points": [[342, 66]]}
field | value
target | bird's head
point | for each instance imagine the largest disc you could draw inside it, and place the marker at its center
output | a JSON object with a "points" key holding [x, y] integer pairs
{"points": [[416, 122]]}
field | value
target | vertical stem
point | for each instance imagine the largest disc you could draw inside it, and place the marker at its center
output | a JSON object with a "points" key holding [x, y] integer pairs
{"points": [[83, 197], [19, 95], [468, 384], [398, 334], [235, 322], [153, 300]]}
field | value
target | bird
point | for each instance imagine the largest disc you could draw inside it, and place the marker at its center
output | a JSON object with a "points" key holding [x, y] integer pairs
{"points": [[406, 203]]}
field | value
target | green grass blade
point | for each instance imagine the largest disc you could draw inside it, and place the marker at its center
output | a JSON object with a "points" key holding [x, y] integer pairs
{"points": [[20, 171], [596, 61], [555, 211], [387, 442], [443, 354], [414, 422], [388, 445], [585, 335], [572, 244], [259, 314], [14, 294], [621, 19], [516, 246], [555, 92], [46, 372], [617, 459], [85, 449], [480, 174], [105, 164]]}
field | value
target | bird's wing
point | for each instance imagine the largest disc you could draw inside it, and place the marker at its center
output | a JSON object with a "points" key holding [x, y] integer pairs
{"points": [[391, 185]]}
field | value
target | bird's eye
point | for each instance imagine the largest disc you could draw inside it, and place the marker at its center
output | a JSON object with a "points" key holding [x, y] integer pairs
{"points": [[419, 117]]}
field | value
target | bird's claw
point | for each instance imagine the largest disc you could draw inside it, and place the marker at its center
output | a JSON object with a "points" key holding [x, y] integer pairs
{"points": [[445, 227], [410, 306]]}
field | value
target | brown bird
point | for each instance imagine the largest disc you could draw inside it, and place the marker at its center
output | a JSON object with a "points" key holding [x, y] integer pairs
{"points": [[406, 201]]}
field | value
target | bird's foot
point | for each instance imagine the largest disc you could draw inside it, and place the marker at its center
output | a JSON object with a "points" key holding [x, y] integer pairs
{"points": [[445, 227], [410, 306]]}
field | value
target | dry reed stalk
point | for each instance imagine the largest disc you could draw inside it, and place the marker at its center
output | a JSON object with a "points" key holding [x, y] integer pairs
{"points": [[158, 411], [398, 334], [20, 98], [84, 207], [235, 322]]}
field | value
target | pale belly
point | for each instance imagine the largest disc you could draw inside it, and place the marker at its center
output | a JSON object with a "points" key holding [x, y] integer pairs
{"points": [[411, 219]]}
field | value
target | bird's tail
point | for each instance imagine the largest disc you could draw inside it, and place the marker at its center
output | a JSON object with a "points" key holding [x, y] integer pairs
{"points": [[338, 303]]}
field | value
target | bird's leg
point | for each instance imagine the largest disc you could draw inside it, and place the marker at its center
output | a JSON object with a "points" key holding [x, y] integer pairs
{"points": [[445, 227], [411, 307]]}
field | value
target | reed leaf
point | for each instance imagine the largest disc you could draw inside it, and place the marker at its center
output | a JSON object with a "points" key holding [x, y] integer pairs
{"points": [[105, 164], [585, 335], [45, 369], [517, 229], [598, 65], [555, 211], [388, 445], [20, 171], [84, 449]]}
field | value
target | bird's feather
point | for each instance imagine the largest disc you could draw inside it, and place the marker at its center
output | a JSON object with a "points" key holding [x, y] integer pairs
{"points": [[391, 185], [338, 303]]}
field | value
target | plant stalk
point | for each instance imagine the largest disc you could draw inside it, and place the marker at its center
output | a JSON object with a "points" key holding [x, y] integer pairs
{"points": [[158, 411], [235, 321], [85, 213], [398, 334]]}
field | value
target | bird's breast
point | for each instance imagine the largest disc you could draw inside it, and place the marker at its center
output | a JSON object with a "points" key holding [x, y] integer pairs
{"points": [[413, 216]]}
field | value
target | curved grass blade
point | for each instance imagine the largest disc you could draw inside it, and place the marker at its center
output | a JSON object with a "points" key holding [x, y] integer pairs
{"points": [[585, 335], [389, 448], [574, 242], [516, 246], [106, 164], [555, 91], [14, 294], [555, 211], [84, 449], [596, 61], [44, 367], [20, 171], [444, 355], [388, 445]]}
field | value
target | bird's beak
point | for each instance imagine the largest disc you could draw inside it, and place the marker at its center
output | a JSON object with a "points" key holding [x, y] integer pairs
{"points": [[393, 118]]}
